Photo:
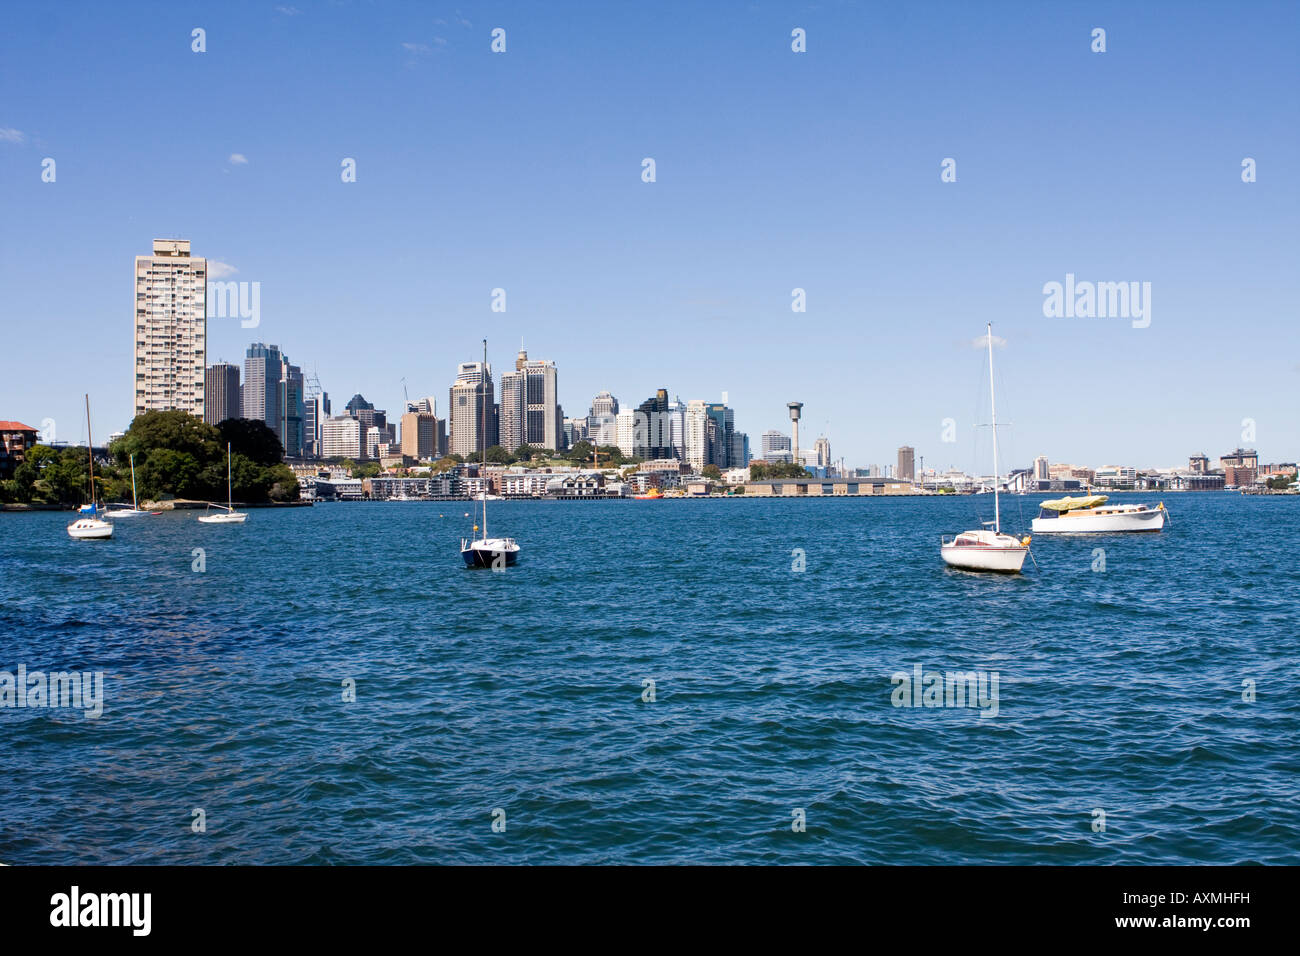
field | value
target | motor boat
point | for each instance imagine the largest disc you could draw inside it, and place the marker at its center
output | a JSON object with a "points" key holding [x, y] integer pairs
{"points": [[1090, 514]]}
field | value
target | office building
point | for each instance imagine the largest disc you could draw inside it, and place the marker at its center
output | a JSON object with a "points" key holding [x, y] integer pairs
{"points": [[1042, 469], [221, 393], [423, 436], [724, 427], [906, 463], [654, 433], [776, 446], [472, 413], [822, 452], [542, 422], [700, 434], [260, 394], [603, 404], [513, 409], [625, 432], [341, 437], [170, 329]]}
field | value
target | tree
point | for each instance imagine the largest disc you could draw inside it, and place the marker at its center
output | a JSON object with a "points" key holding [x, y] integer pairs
{"points": [[712, 471], [525, 452], [175, 430], [498, 455], [581, 451], [253, 439], [759, 471]]}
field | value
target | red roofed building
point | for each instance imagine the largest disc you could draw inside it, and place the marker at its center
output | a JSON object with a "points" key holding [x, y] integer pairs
{"points": [[15, 439]]}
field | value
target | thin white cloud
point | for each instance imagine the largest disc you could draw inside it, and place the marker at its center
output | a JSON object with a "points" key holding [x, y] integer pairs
{"points": [[419, 49], [288, 11], [219, 270], [238, 159], [462, 21], [983, 342], [9, 135], [441, 41]]}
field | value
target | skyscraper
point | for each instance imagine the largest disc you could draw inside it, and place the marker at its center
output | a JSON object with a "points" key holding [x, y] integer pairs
{"points": [[654, 430], [725, 426], [291, 408], [263, 367], [697, 434], [1042, 468], [513, 432], [739, 450], [315, 410], [604, 404], [221, 393], [906, 463], [541, 401], [823, 449], [472, 413], [170, 328], [677, 428]]}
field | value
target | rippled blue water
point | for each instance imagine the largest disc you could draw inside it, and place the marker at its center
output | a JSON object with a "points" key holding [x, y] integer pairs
{"points": [[1119, 690]]}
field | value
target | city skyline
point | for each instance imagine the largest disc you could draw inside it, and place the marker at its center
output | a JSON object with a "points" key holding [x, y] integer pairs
{"points": [[687, 281]]}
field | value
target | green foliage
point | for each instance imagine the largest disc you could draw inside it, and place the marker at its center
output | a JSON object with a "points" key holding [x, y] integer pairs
{"points": [[580, 452], [55, 476], [176, 455], [711, 471], [498, 455], [780, 469], [525, 452], [253, 439]]}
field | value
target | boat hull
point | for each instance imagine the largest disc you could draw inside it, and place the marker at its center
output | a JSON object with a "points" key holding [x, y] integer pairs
{"points": [[1003, 560], [224, 519], [484, 554], [90, 529], [1148, 520]]}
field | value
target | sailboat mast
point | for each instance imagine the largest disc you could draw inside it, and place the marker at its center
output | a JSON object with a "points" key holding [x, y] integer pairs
{"points": [[135, 502], [230, 502], [483, 435], [90, 454], [993, 408]]}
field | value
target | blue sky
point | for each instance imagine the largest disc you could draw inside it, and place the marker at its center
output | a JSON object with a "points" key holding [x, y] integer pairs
{"points": [[775, 170]]}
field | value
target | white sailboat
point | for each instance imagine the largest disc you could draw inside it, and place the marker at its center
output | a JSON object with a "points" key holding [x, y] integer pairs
{"points": [[487, 552], [230, 515], [133, 511], [90, 526], [987, 549]]}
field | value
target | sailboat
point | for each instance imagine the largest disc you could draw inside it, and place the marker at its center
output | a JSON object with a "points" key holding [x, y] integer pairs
{"points": [[133, 511], [987, 549], [230, 516], [487, 552], [90, 525]]}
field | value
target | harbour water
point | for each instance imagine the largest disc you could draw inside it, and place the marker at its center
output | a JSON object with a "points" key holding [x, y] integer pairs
{"points": [[523, 698]]}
